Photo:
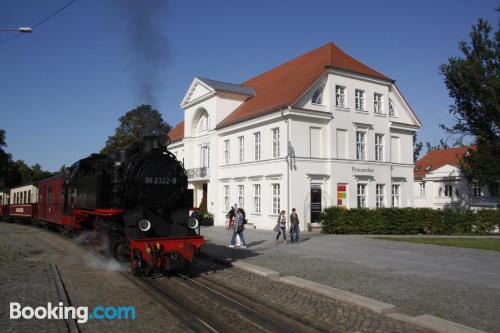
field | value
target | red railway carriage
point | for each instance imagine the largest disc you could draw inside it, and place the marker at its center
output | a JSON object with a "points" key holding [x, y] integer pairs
{"points": [[50, 202], [4, 204], [23, 202]]}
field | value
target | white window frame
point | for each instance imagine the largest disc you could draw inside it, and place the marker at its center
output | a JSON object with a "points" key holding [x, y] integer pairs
{"points": [[361, 193], [421, 189], [380, 195], [378, 103], [276, 198], [476, 190], [276, 142], [317, 97], [241, 148], [448, 190], [379, 147], [227, 151], [257, 146], [392, 109], [241, 196], [396, 195], [256, 198], [361, 145], [359, 97], [227, 198], [340, 98]]}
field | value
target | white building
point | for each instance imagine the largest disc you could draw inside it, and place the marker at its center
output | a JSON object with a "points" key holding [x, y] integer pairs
{"points": [[320, 130], [439, 183]]}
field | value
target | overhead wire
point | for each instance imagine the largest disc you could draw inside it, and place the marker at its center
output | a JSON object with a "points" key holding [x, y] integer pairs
{"points": [[41, 21]]}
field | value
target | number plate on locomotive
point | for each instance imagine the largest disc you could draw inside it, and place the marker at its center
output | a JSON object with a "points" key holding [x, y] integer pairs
{"points": [[160, 180]]}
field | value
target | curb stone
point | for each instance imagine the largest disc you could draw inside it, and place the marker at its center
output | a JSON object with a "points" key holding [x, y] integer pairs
{"points": [[436, 324]]}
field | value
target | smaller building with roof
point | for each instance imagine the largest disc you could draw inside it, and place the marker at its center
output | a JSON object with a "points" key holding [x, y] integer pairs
{"points": [[440, 183]]}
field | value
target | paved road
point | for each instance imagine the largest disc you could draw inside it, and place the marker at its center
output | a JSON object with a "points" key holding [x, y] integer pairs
{"points": [[462, 285]]}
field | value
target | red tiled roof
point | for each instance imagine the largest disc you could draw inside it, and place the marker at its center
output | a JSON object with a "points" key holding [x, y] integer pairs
{"points": [[177, 133], [437, 158], [283, 85]]}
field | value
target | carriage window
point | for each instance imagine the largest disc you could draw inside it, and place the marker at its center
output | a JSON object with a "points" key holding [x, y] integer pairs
{"points": [[49, 194], [29, 196]]}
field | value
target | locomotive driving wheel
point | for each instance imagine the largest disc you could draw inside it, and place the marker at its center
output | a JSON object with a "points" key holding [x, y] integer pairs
{"points": [[120, 249]]}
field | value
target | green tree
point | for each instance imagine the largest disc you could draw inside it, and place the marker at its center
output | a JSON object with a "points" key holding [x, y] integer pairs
{"points": [[134, 125], [473, 82], [417, 147], [5, 160]]}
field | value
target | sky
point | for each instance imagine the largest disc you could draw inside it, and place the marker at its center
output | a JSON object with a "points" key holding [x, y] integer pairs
{"points": [[64, 86]]}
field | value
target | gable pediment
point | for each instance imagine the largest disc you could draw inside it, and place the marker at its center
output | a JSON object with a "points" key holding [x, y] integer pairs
{"points": [[197, 91]]}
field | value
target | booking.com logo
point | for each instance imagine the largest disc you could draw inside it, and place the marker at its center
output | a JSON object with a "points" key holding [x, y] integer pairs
{"points": [[80, 314]]}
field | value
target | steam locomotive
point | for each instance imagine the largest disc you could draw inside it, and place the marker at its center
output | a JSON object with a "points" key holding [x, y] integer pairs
{"points": [[135, 201]]}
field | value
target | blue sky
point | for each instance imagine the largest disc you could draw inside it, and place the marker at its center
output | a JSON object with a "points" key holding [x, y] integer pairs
{"points": [[63, 87]]}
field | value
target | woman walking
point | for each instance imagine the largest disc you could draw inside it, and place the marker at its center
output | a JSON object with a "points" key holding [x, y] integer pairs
{"points": [[281, 226], [238, 228]]}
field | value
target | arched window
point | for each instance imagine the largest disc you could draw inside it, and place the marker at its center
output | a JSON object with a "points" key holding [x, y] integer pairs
{"points": [[201, 121], [318, 96]]}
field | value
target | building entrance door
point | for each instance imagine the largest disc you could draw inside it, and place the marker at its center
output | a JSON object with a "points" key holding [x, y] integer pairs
{"points": [[315, 203], [205, 194]]}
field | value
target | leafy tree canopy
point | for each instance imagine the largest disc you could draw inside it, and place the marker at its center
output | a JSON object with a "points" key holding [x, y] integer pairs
{"points": [[473, 82], [134, 125]]}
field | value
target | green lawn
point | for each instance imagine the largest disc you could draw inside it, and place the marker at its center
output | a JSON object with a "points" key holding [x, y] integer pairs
{"points": [[474, 243]]}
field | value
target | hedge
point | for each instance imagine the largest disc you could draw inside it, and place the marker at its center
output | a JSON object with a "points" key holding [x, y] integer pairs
{"points": [[397, 221]]}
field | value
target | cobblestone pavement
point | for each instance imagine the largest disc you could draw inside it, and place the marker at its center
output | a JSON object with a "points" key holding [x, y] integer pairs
{"points": [[319, 312], [467, 303], [25, 255]]}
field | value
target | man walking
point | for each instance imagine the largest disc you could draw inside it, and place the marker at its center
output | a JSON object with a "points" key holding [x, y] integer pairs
{"points": [[294, 226]]}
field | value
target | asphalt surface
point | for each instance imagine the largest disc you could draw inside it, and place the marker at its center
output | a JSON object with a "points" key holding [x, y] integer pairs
{"points": [[461, 285]]}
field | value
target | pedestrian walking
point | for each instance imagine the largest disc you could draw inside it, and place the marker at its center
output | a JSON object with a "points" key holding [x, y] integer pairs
{"points": [[294, 226], [238, 228], [230, 218], [281, 226]]}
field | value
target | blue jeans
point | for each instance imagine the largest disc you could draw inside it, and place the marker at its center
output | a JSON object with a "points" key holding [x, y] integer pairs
{"points": [[233, 239], [282, 231], [294, 233]]}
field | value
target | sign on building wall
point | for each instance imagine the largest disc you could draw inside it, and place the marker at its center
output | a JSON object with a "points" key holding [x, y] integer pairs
{"points": [[342, 195]]}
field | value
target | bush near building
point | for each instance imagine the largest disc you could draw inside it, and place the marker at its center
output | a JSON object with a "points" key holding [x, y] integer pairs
{"points": [[401, 221]]}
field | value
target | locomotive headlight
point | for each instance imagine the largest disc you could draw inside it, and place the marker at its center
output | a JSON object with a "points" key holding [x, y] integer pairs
{"points": [[192, 223], [144, 225]]}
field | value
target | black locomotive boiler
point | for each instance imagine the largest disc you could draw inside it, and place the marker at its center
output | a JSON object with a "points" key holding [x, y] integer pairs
{"points": [[138, 201]]}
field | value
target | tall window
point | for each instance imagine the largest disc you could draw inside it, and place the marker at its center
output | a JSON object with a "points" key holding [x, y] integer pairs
{"points": [[448, 190], [276, 142], [361, 195], [226, 151], [256, 198], [241, 196], [378, 104], [421, 189], [360, 99], [276, 199], [241, 141], [205, 156], [360, 145], [256, 147], [318, 96], [379, 147], [380, 195], [29, 195], [392, 110], [340, 96], [476, 189], [227, 197], [396, 196]]}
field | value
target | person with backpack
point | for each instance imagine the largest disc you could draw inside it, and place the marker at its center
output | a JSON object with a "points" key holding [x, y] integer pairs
{"points": [[238, 228], [294, 226]]}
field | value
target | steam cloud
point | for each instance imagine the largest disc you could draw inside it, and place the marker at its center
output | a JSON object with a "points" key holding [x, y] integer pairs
{"points": [[93, 261], [148, 46]]}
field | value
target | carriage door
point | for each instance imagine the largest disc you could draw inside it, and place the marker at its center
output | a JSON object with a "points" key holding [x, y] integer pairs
{"points": [[315, 202]]}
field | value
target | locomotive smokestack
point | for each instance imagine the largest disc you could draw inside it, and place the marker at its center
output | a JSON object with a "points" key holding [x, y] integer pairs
{"points": [[148, 46]]}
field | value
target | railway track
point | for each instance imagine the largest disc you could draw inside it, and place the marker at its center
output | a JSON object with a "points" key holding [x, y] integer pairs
{"points": [[207, 307]]}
